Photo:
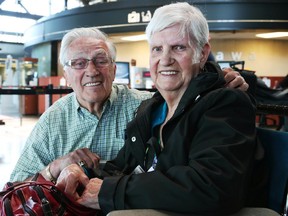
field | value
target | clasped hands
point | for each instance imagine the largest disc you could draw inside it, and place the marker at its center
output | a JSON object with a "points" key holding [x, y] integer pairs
{"points": [[72, 179]]}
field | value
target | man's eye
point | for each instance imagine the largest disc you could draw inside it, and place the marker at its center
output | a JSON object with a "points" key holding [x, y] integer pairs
{"points": [[101, 61]]}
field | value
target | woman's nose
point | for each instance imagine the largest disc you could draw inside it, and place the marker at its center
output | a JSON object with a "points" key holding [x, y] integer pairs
{"points": [[166, 58]]}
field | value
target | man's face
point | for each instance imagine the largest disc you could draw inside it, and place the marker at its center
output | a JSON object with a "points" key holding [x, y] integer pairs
{"points": [[92, 84]]}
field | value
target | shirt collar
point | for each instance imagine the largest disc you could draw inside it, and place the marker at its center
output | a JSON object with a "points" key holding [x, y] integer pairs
{"points": [[75, 102], [113, 96], [107, 104]]}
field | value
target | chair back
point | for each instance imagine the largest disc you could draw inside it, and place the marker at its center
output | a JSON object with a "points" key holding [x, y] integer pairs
{"points": [[275, 144]]}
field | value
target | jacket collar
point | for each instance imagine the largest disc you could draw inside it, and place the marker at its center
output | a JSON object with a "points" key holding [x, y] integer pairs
{"points": [[209, 79]]}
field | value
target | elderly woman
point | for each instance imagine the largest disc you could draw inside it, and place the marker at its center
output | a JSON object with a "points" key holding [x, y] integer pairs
{"points": [[190, 148]]}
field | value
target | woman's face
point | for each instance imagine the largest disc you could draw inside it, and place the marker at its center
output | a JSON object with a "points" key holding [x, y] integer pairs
{"points": [[171, 60], [93, 83]]}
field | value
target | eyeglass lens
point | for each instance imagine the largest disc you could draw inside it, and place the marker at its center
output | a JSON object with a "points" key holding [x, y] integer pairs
{"points": [[82, 63]]}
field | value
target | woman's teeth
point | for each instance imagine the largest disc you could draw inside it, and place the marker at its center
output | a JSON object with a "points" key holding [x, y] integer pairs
{"points": [[168, 72]]}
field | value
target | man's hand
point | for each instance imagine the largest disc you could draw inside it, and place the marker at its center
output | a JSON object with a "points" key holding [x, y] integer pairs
{"points": [[80, 156], [76, 185], [234, 79]]}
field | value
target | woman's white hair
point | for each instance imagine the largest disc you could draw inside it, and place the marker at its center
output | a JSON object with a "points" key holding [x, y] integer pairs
{"points": [[84, 32], [190, 19]]}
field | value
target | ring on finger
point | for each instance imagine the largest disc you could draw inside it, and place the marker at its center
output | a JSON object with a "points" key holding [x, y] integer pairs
{"points": [[81, 163]]}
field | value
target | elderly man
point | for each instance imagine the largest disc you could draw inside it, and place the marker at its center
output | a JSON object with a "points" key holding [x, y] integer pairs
{"points": [[88, 124]]}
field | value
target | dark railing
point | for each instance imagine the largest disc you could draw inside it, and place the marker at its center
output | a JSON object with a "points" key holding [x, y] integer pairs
{"points": [[272, 109], [34, 90]]}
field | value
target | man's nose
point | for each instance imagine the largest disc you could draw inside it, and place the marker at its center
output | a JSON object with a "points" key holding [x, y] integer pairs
{"points": [[91, 69]]}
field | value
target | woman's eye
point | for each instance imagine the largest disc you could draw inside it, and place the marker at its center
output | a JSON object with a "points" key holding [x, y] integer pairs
{"points": [[156, 49]]}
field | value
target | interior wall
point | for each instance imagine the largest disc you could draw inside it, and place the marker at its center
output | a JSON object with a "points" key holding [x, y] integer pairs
{"points": [[135, 50], [266, 57]]}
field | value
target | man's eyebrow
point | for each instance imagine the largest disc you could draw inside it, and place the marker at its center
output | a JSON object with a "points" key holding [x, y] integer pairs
{"points": [[101, 52]]}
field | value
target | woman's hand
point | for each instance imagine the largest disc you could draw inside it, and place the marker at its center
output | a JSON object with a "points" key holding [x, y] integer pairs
{"points": [[89, 196], [234, 79]]}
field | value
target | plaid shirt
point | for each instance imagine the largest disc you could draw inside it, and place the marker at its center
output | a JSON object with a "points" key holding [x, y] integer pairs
{"points": [[66, 126]]}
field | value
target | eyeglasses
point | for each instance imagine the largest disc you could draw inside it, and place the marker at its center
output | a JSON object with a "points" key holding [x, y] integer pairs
{"points": [[82, 63]]}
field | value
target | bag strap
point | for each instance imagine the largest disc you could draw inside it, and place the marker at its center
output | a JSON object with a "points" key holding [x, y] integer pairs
{"points": [[44, 201], [26, 208], [7, 206]]}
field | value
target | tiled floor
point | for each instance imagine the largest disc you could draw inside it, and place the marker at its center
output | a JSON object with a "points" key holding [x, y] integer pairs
{"points": [[12, 139]]}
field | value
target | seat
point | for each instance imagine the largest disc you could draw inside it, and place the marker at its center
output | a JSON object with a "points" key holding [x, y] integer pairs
{"points": [[151, 212], [275, 144]]}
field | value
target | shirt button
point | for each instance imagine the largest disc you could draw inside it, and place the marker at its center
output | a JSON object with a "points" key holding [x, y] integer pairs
{"points": [[133, 139]]}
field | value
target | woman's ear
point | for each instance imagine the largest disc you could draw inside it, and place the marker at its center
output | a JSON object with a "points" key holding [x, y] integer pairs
{"points": [[115, 68], [204, 54]]}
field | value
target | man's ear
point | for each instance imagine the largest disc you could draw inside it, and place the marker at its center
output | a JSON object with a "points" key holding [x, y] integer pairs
{"points": [[66, 78]]}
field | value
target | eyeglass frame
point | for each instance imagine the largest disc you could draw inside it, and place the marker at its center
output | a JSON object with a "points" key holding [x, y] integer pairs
{"points": [[96, 64]]}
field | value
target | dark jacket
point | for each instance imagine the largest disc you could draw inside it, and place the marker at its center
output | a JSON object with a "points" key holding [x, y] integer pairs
{"points": [[205, 166]]}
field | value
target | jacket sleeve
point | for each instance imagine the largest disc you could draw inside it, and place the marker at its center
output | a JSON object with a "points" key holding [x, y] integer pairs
{"points": [[214, 176]]}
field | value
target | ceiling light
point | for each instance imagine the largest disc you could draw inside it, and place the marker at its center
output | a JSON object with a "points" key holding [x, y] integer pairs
{"points": [[135, 38], [273, 35]]}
